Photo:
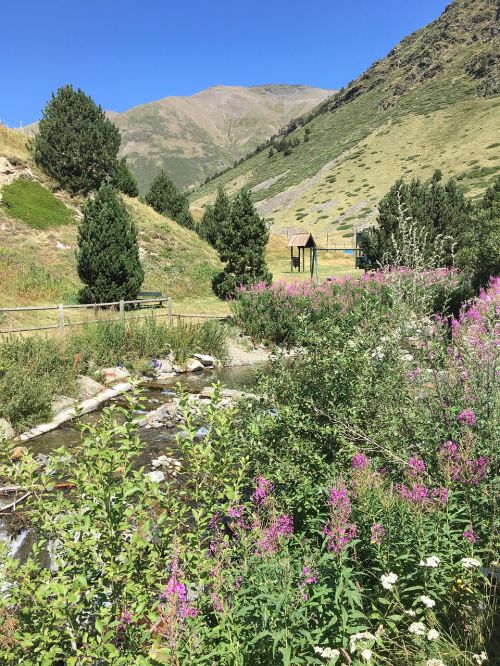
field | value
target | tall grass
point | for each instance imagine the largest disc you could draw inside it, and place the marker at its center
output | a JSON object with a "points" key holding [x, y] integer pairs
{"points": [[35, 369]]}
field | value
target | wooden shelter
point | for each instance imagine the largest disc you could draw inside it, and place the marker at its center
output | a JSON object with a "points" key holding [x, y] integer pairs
{"points": [[302, 241]]}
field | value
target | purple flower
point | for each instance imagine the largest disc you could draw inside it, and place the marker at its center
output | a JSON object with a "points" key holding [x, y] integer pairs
{"points": [[417, 493], [359, 461], [236, 511], [308, 577], [125, 619], [417, 466], [262, 490], [470, 535], [174, 589], [440, 494], [377, 533], [281, 527], [449, 449], [467, 417]]}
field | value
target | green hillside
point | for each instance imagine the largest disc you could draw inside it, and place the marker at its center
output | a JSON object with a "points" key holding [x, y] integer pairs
{"points": [[38, 224], [432, 102]]}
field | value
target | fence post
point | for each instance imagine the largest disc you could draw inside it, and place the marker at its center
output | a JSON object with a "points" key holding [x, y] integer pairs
{"points": [[61, 319], [122, 309], [169, 306]]}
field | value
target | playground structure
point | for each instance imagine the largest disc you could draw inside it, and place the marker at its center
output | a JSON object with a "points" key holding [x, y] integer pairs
{"points": [[305, 241]]}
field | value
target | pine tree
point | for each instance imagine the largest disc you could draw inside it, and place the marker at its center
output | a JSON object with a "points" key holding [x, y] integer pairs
{"points": [[165, 198], [215, 219], [76, 144], [124, 180], [242, 246], [108, 254]]}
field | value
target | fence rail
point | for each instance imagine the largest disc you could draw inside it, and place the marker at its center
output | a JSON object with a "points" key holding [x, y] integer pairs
{"points": [[119, 306]]}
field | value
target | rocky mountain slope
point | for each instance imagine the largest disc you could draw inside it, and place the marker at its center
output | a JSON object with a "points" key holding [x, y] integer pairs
{"points": [[192, 137], [432, 102]]}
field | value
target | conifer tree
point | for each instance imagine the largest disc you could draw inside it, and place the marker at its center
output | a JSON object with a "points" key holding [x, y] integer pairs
{"points": [[242, 246], [108, 254], [124, 180], [215, 219], [76, 144], [166, 199]]}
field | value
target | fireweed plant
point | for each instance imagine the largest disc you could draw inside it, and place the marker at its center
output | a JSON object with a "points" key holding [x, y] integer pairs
{"points": [[349, 516]]}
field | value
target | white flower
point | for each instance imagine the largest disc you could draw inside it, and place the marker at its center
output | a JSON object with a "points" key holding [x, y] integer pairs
{"points": [[480, 658], [432, 635], [362, 636], [327, 653], [470, 562], [367, 655], [427, 601], [411, 613], [417, 628], [432, 561], [388, 580], [435, 662]]}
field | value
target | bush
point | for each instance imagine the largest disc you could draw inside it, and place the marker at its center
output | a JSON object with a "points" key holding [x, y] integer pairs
{"points": [[34, 204]]}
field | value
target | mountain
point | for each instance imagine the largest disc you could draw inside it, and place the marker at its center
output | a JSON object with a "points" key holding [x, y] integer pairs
{"points": [[193, 137], [432, 102]]}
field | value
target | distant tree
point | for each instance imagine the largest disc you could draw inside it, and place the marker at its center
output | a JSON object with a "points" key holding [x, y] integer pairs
{"points": [[271, 152], [215, 219], [441, 210], [76, 144], [108, 254], [242, 246], [479, 254], [124, 180], [166, 199], [307, 134]]}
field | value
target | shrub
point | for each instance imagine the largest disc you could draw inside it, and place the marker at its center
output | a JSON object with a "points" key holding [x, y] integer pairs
{"points": [[34, 204]]}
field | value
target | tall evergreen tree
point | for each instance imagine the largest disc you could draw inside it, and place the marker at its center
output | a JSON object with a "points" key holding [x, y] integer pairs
{"points": [[441, 209], [166, 199], [124, 180], [479, 254], [108, 254], [76, 144], [242, 246], [215, 219]]}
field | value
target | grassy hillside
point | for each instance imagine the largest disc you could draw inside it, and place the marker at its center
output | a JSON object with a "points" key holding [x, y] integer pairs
{"points": [[39, 232], [192, 137], [433, 102]]}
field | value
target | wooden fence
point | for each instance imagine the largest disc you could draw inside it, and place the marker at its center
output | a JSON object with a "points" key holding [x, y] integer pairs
{"points": [[124, 310]]}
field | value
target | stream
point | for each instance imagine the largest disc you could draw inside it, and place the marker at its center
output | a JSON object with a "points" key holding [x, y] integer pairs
{"points": [[157, 441]]}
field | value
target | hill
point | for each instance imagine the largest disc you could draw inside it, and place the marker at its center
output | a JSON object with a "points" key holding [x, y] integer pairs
{"points": [[432, 102], [192, 137], [38, 230]]}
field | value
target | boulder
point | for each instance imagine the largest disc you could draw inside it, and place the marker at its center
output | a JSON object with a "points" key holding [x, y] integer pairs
{"points": [[179, 368], [6, 430], [88, 387], [61, 402], [18, 453], [156, 476], [163, 376], [160, 416], [164, 366], [208, 361], [194, 365], [113, 375]]}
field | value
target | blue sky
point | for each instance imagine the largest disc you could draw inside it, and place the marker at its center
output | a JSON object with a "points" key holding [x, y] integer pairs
{"points": [[134, 51]]}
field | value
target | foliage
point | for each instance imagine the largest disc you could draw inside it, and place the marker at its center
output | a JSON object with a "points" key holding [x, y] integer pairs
{"points": [[319, 524], [34, 204], [124, 180], [165, 198], [479, 256], [215, 219], [76, 144], [242, 247], [108, 253], [31, 374], [437, 211]]}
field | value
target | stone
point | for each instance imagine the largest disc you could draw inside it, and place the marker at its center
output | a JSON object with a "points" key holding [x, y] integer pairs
{"points": [[164, 366], [179, 368], [160, 416], [207, 360], [163, 376], [194, 365], [88, 387], [112, 375], [156, 476], [18, 453], [61, 402], [201, 433], [6, 430]]}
